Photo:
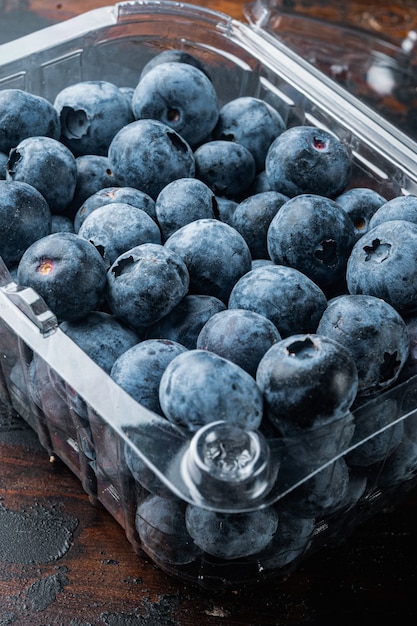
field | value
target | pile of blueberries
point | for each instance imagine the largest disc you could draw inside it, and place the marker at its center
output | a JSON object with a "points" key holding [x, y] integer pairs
{"points": [[218, 265]]}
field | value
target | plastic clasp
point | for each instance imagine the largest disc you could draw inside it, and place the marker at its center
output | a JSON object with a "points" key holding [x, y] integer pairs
{"points": [[226, 464], [28, 301]]}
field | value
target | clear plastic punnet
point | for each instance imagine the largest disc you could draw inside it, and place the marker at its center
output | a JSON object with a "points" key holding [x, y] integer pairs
{"points": [[372, 58], [276, 499]]}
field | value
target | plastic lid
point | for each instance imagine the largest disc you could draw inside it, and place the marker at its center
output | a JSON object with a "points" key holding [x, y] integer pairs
{"points": [[368, 52]]}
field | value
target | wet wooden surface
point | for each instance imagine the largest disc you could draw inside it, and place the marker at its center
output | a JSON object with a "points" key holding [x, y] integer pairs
{"points": [[64, 562]]}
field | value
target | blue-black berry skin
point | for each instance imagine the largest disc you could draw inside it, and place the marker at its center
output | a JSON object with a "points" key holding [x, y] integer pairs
{"points": [[101, 336], [251, 122], [93, 174], [91, 113], [322, 494], [181, 96], [25, 217], [173, 55], [61, 224], [376, 426], [107, 195], [199, 387], [117, 227], [23, 115], [231, 536], [145, 283], [215, 254], [307, 379], [67, 272], [183, 201], [252, 218], [160, 523], [375, 335], [47, 165], [226, 208], [360, 203], [314, 235], [139, 370], [304, 159], [383, 263], [184, 323], [287, 297], [398, 208], [240, 336], [148, 154], [227, 167], [291, 540], [3, 161]]}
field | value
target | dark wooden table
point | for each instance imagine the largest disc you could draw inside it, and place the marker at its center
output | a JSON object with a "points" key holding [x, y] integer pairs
{"points": [[64, 562]]}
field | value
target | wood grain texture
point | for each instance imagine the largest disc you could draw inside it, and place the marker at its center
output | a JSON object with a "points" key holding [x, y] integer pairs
{"points": [[89, 575]]}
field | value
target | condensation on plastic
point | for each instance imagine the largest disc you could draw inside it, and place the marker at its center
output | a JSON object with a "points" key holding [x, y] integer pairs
{"points": [[85, 418]]}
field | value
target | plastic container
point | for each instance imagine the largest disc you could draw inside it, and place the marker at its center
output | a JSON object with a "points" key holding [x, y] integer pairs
{"points": [[371, 54], [304, 491]]}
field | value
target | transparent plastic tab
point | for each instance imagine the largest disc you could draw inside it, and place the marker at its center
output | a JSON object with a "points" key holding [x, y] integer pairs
{"points": [[28, 301]]}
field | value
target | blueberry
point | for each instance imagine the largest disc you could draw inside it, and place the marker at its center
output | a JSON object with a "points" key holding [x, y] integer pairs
{"points": [[409, 368], [306, 380], [319, 443], [145, 283], [46, 397], [251, 122], [91, 113], [287, 297], [145, 478], [25, 216], [199, 387], [107, 195], [252, 218], [128, 94], [240, 336], [400, 466], [231, 535], [183, 201], [215, 254], [160, 523], [304, 159], [383, 263], [321, 494], [40, 160], [3, 161], [179, 95], [226, 207], [61, 224], [24, 115], [184, 322], [139, 370], [260, 184], [173, 55], [377, 429], [67, 272], [399, 208], [93, 174], [148, 155], [314, 235], [360, 203], [291, 541], [101, 336], [228, 168], [117, 227], [375, 335]]}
